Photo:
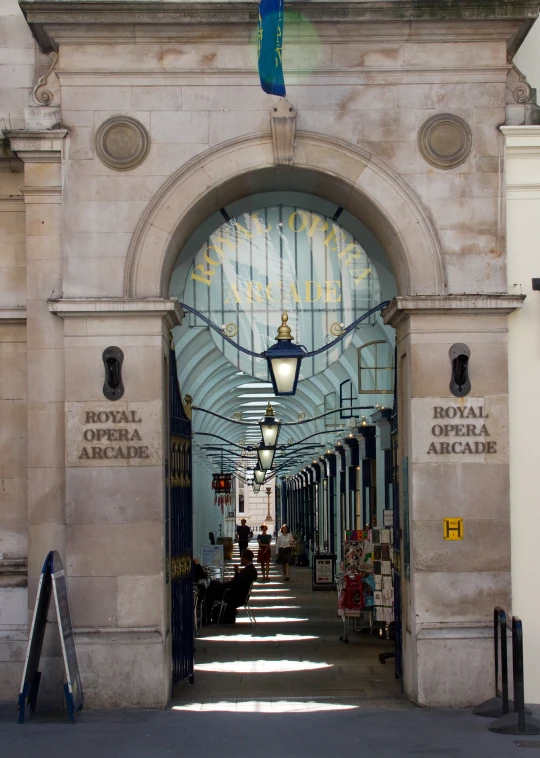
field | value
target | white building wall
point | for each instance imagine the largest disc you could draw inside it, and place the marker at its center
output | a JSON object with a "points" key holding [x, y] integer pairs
{"points": [[523, 220], [528, 57], [256, 508], [207, 516], [18, 53]]}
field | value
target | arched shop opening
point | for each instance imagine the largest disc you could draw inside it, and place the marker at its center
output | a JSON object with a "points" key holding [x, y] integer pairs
{"points": [[334, 476]]}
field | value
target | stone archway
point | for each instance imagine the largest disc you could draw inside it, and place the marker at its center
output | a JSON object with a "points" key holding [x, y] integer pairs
{"points": [[334, 170]]}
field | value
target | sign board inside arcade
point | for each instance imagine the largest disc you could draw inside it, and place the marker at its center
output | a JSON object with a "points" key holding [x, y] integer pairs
{"points": [[274, 258]]}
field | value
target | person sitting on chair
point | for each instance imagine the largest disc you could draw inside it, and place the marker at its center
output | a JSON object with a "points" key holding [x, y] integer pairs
{"points": [[237, 590]]}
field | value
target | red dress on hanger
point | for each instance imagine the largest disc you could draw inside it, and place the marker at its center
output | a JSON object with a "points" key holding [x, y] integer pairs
{"points": [[352, 596]]}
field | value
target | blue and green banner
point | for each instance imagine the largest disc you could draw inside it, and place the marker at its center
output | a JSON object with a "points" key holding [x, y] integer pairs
{"points": [[270, 46]]}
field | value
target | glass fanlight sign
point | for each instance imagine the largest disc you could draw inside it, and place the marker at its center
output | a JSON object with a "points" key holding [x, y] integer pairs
{"points": [[278, 258]]}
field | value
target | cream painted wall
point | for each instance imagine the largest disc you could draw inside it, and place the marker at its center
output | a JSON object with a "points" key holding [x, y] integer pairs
{"points": [[523, 219], [528, 56], [206, 515], [17, 57], [256, 508]]}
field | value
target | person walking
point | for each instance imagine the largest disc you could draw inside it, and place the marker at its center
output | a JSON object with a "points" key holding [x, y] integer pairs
{"points": [[243, 532], [285, 542], [265, 553]]}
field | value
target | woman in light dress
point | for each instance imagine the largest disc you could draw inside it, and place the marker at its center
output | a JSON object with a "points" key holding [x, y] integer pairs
{"points": [[284, 543], [265, 553]]}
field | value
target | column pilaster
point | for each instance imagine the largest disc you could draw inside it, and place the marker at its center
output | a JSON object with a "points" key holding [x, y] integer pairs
{"points": [[116, 495], [41, 153], [453, 463]]}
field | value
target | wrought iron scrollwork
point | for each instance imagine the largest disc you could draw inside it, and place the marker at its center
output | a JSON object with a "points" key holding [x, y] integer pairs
{"points": [[180, 566], [231, 330], [180, 473], [336, 329]]}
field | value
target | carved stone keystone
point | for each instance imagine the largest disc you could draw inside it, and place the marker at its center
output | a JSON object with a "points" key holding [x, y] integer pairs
{"points": [[283, 121]]}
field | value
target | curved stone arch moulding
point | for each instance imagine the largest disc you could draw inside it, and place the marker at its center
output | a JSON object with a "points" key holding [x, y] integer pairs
{"points": [[345, 174]]}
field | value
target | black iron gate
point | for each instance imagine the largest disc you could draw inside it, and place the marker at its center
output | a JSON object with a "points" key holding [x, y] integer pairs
{"points": [[181, 532], [398, 570]]}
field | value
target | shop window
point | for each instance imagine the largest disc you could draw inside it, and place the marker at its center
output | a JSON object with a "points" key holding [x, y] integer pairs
{"points": [[330, 401], [346, 399], [376, 368]]}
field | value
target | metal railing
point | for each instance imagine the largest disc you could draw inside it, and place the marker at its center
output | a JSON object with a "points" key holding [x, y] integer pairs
{"points": [[510, 717]]}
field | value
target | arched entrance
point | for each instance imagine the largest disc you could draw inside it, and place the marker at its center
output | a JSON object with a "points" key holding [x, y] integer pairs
{"points": [[243, 266], [335, 173]]}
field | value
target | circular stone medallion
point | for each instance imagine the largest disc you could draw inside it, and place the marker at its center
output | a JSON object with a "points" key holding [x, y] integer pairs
{"points": [[122, 143], [445, 140]]}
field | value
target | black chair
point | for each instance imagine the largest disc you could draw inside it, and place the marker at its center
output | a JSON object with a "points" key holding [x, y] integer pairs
{"points": [[222, 605]]}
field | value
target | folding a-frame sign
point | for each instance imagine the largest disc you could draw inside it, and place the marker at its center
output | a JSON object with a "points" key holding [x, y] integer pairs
{"points": [[52, 581]]}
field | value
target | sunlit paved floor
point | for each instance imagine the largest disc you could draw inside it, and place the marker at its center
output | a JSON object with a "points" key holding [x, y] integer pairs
{"points": [[293, 651], [286, 688]]}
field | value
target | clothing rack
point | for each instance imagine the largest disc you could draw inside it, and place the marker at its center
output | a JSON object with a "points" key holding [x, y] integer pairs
{"points": [[347, 614]]}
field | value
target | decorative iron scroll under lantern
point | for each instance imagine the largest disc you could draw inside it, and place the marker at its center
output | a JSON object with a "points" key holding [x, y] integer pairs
{"points": [[222, 484]]}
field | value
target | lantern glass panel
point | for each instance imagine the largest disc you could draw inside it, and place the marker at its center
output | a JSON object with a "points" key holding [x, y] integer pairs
{"points": [[259, 476], [269, 430], [266, 457], [284, 372]]}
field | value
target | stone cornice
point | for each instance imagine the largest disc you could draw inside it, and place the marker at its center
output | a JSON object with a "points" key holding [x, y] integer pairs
{"points": [[167, 308], [443, 305], [37, 145], [522, 138], [13, 315], [47, 17]]}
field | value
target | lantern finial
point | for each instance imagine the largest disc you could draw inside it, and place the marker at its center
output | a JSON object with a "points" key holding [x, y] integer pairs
{"points": [[269, 410], [284, 331]]}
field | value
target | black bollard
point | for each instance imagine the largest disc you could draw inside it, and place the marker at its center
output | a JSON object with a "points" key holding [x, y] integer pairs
{"points": [[517, 722], [499, 705]]}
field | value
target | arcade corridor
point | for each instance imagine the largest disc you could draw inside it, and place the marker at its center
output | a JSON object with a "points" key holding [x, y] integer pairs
{"points": [[293, 651]]}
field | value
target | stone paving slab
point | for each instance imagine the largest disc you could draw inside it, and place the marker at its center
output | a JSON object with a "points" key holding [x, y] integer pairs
{"points": [[289, 730]]}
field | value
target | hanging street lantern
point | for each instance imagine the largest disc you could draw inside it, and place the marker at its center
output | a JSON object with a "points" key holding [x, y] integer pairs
{"points": [[222, 484], [266, 457], [256, 487], [284, 360], [270, 427], [259, 476]]}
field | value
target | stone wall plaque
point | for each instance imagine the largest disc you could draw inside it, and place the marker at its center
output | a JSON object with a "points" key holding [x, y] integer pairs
{"points": [[122, 143], [467, 430], [445, 140], [119, 434]]}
